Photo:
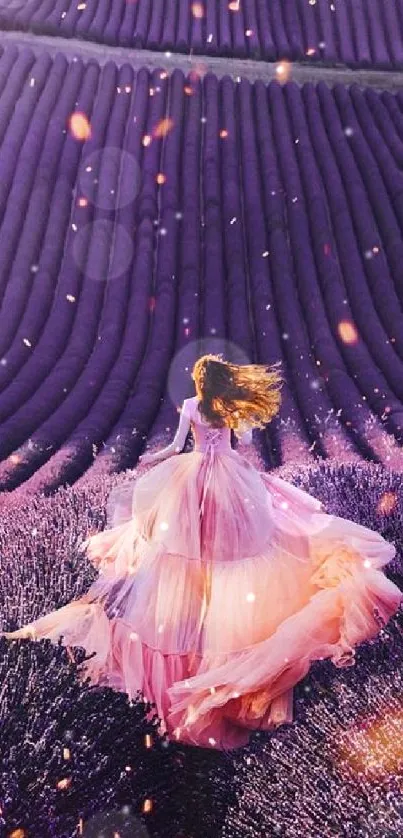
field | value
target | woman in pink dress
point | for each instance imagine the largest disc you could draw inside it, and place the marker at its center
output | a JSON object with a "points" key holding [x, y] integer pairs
{"points": [[219, 585]]}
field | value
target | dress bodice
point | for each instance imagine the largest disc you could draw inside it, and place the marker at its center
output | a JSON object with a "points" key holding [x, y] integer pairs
{"points": [[204, 434]]}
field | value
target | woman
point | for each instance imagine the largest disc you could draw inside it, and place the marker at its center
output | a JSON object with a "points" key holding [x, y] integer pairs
{"points": [[219, 585]]}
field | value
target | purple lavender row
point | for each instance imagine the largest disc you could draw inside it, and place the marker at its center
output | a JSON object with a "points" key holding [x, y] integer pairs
{"points": [[354, 32], [328, 303], [95, 247], [242, 211], [105, 345], [64, 273]]}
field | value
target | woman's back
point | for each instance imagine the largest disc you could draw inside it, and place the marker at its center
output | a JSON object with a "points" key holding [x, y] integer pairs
{"points": [[205, 434]]}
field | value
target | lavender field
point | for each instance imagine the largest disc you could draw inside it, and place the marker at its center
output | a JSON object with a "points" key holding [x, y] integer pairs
{"points": [[146, 217], [352, 32]]}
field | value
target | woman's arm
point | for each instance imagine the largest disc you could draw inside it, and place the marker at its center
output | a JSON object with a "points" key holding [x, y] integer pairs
{"points": [[244, 434], [176, 446], [246, 438]]}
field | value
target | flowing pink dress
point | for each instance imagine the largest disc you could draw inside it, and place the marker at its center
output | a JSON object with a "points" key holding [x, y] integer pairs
{"points": [[219, 589]]}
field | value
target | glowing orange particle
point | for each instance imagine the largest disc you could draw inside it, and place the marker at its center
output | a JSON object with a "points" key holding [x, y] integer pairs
{"points": [[283, 71], [347, 332], [376, 747], [82, 202], [163, 127], [14, 459], [188, 90], [387, 503], [161, 178], [147, 806], [198, 72], [223, 134], [63, 784], [148, 741], [80, 126], [198, 10], [234, 5], [146, 140], [18, 833]]}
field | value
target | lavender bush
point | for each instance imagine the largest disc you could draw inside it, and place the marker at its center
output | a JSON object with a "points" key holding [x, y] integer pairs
{"points": [[70, 753]]}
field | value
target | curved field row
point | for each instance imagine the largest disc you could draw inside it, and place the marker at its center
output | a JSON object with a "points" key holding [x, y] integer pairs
{"points": [[353, 32], [146, 218]]}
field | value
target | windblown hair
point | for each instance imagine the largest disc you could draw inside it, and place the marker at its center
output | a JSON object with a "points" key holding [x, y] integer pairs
{"points": [[237, 396]]}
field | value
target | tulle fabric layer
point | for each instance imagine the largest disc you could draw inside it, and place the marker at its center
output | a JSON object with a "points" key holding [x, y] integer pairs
{"points": [[199, 505], [216, 616]]}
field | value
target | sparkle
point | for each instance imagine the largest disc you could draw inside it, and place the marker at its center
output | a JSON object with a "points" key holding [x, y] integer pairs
{"points": [[63, 784], [348, 332], [162, 129], [198, 10], [79, 126], [387, 503], [283, 71]]}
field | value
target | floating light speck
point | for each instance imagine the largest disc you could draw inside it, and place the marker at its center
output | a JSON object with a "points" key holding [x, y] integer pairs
{"points": [[283, 71], [198, 10], [387, 503], [163, 127], [79, 126], [63, 784], [347, 332]]}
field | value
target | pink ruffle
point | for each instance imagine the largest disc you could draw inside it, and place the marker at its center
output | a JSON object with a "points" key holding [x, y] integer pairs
{"points": [[216, 616]]}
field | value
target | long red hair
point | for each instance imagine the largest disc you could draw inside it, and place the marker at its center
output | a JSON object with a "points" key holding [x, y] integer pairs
{"points": [[233, 395]]}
